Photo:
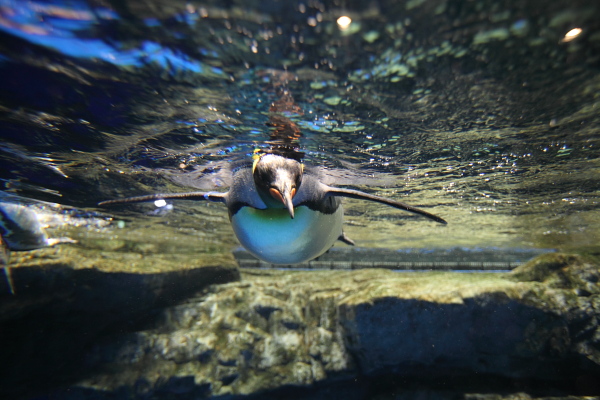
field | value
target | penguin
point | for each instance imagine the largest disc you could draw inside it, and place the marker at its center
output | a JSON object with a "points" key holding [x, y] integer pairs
{"points": [[280, 211], [21, 230]]}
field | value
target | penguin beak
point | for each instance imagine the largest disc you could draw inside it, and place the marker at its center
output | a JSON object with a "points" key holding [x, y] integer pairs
{"points": [[287, 201], [285, 197]]}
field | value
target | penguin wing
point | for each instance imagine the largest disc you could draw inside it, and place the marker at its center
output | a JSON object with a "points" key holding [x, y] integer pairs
{"points": [[242, 192], [356, 194], [209, 196], [313, 194]]}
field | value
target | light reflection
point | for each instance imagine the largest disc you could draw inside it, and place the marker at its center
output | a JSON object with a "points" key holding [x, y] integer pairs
{"points": [[572, 34], [344, 22]]}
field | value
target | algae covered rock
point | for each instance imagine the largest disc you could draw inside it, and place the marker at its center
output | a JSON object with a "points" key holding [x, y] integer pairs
{"points": [[562, 271], [363, 334], [236, 338], [61, 301]]}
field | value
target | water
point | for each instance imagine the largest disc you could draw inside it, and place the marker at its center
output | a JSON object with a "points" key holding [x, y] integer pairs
{"points": [[483, 112], [483, 115]]}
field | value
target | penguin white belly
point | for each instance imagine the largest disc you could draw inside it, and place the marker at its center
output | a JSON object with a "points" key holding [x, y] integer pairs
{"points": [[271, 235]]}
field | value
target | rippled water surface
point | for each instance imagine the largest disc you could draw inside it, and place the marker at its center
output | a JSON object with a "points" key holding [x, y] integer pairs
{"points": [[485, 113]]}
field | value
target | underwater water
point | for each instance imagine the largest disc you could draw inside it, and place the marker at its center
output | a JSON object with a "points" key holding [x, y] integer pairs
{"points": [[481, 113], [485, 113]]}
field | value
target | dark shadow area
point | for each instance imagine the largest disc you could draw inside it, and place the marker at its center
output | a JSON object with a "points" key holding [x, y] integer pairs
{"points": [[57, 313], [381, 387], [389, 386], [489, 334]]}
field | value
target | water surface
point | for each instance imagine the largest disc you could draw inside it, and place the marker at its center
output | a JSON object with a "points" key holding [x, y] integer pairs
{"points": [[485, 113]]}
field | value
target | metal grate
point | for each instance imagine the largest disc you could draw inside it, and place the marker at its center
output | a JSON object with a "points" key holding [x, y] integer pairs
{"points": [[456, 259]]}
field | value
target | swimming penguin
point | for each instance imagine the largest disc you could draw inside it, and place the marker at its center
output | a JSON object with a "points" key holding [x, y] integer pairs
{"points": [[280, 212], [21, 230], [20, 227]]}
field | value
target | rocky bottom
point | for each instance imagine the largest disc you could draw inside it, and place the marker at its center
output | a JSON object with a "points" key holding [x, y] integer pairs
{"points": [[270, 334]]}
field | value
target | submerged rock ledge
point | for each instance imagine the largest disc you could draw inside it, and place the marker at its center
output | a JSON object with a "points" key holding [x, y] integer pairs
{"points": [[280, 329], [361, 334]]}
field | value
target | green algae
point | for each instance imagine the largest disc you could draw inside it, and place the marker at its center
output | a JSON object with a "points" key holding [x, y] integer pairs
{"points": [[491, 35], [371, 36], [332, 101]]}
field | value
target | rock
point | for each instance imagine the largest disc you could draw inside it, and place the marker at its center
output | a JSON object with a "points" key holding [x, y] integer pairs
{"points": [[199, 333], [364, 334], [52, 311]]}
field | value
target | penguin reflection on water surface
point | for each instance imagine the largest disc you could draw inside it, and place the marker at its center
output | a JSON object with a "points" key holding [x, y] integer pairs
{"points": [[280, 212]]}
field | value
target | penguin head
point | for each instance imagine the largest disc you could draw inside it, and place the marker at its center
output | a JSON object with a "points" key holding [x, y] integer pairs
{"points": [[278, 178]]}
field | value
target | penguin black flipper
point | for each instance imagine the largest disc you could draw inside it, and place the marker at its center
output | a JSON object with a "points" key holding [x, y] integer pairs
{"points": [[242, 192], [209, 196], [355, 194], [315, 195]]}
